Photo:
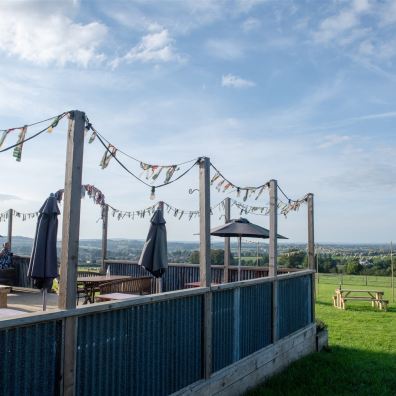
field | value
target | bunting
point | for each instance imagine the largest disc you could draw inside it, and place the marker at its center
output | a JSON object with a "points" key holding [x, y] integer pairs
{"points": [[109, 153], [18, 148], [23, 216], [152, 172]]}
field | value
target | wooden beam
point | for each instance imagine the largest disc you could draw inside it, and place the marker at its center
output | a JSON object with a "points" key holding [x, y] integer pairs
{"points": [[311, 233], [105, 222], [273, 242], [273, 255], [204, 222], [70, 242], [227, 247], [158, 281], [9, 234], [71, 210], [204, 262]]}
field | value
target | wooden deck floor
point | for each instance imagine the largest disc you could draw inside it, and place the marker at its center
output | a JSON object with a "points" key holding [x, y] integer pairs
{"points": [[31, 300]]}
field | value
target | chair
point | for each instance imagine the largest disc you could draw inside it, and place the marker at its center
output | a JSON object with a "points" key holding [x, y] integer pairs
{"points": [[141, 285]]}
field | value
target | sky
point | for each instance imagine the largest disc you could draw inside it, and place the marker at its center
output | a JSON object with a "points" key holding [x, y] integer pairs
{"points": [[298, 91]]}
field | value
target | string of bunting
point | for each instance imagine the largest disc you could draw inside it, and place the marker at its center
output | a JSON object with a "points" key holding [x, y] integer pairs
{"points": [[18, 146], [222, 184], [292, 205], [150, 171], [23, 216]]}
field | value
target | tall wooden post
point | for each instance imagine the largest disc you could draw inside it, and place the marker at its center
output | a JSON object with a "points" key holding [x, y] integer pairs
{"points": [[273, 254], [311, 234], [105, 222], [204, 222], [70, 242], [9, 234], [227, 247], [204, 261], [273, 242]]}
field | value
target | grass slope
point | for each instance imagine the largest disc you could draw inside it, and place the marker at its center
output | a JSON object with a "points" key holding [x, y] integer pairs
{"points": [[362, 359]]}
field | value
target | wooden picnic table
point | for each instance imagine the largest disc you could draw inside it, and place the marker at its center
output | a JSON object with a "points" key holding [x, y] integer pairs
{"points": [[90, 284], [376, 297]]}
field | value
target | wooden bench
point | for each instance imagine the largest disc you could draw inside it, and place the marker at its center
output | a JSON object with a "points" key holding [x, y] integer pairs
{"points": [[375, 302], [141, 285], [4, 290]]}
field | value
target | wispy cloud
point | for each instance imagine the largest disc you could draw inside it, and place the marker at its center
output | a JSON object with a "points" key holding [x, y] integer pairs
{"points": [[8, 197], [229, 80], [157, 47], [225, 48], [44, 36], [332, 140]]}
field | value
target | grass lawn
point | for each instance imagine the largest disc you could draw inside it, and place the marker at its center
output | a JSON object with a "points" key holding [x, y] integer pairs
{"points": [[362, 359]]}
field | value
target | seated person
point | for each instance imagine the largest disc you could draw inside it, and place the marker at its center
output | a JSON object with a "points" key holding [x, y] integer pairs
{"points": [[5, 256]]}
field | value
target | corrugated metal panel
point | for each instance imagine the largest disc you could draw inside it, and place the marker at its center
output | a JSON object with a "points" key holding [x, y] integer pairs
{"points": [[150, 349], [21, 264], [223, 329], [294, 304], [30, 359], [255, 318]]}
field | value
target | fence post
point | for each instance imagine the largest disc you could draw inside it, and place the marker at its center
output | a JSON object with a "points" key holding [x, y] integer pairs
{"points": [[227, 247], [158, 281], [311, 249], [105, 222], [9, 234], [70, 242], [204, 260], [273, 254]]}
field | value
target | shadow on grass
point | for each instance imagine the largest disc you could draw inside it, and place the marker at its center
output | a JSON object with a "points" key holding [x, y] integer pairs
{"points": [[341, 371]]}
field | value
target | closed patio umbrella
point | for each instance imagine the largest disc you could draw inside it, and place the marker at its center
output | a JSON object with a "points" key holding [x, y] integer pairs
{"points": [[154, 256], [241, 228], [43, 266]]}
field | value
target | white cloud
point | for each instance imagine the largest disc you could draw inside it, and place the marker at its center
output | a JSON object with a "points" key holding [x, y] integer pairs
{"points": [[154, 47], [43, 36], [337, 25], [332, 140], [229, 80]]}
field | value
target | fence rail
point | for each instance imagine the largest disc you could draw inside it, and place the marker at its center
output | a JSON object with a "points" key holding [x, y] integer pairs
{"points": [[153, 344]]}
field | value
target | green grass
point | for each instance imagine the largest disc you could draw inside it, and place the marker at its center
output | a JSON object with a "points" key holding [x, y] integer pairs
{"points": [[362, 356]]}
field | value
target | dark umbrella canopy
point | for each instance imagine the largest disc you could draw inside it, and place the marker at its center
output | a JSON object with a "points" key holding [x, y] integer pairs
{"points": [[242, 228], [154, 256], [43, 266]]}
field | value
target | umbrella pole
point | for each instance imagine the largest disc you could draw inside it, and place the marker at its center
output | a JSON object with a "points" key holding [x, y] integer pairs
{"points": [[239, 258], [44, 299]]}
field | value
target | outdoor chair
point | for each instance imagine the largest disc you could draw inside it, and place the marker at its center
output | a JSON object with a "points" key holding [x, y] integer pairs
{"points": [[141, 285]]}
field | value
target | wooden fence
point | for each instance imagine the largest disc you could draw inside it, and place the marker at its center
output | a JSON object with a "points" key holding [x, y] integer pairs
{"points": [[153, 345]]}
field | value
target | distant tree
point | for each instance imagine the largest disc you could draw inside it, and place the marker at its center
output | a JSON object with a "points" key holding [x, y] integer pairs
{"points": [[353, 267], [293, 258]]}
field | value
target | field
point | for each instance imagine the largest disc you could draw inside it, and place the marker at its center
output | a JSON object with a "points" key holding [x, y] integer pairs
{"points": [[362, 356]]}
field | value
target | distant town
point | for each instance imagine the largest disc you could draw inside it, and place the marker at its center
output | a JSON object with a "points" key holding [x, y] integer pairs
{"points": [[357, 259]]}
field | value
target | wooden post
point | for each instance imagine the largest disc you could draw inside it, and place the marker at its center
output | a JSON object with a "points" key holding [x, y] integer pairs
{"points": [[105, 221], [273, 242], [311, 234], [204, 222], [227, 247], [158, 282], [204, 261], [70, 242], [273, 254], [9, 235]]}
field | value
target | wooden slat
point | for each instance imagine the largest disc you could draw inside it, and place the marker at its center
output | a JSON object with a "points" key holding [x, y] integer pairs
{"points": [[105, 219]]}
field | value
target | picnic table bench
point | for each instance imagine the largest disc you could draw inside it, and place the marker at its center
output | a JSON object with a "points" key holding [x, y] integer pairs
{"points": [[376, 297]]}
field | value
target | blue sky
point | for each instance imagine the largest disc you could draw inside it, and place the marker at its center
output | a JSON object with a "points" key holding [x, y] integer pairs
{"points": [[299, 91]]}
